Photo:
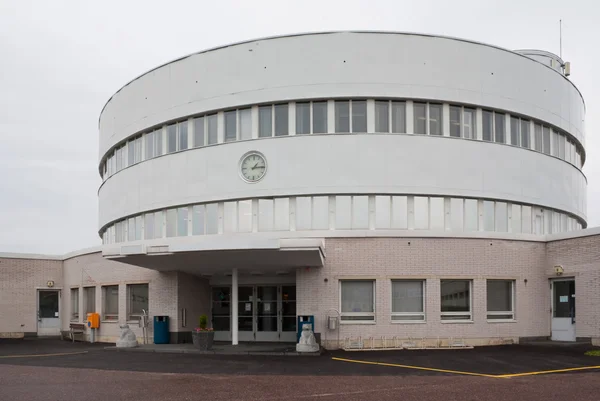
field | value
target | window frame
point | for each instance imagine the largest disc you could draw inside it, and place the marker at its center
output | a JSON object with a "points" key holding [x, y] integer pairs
{"points": [[86, 297], [401, 314], [134, 317], [74, 306], [501, 313], [110, 317], [358, 314], [451, 314]]}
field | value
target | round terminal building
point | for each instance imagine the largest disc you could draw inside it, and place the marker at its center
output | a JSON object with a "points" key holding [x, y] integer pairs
{"points": [[393, 189]]}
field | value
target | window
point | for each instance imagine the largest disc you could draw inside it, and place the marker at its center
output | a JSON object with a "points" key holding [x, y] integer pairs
{"points": [[158, 224], [455, 121], [537, 128], [436, 214], [230, 217], [282, 214], [149, 142], [515, 135], [343, 212], [555, 139], [561, 147], [382, 116], [212, 218], [499, 128], [265, 121], [245, 116], [149, 226], [455, 299], [281, 120], [198, 220], [525, 140], [400, 212], [421, 212], [360, 212], [182, 131], [212, 128], [462, 122], [182, 219], [342, 116], [171, 138], [357, 299], [265, 214], [501, 217], [456, 214], [488, 216], [359, 116], [110, 299], [199, 132], [488, 118], [320, 213], [303, 213], [420, 118], [245, 216], [137, 301], [302, 118], [230, 125], [408, 300], [500, 299], [319, 117], [382, 212], [171, 223], [546, 140], [75, 304], [89, 300], [435, 119], [398, 117], [130, 152]]}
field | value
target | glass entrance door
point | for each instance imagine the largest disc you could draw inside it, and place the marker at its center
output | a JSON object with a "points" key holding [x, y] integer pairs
{"points": [[267, 313], [563, 310], [48, 313]]}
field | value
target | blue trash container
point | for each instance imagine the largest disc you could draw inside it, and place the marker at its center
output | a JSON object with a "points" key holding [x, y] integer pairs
{"points": [[161, 329], [302, 320]]}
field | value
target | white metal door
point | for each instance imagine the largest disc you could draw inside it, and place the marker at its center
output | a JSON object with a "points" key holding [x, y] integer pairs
{"points": [[563, 310], [48, 313]]}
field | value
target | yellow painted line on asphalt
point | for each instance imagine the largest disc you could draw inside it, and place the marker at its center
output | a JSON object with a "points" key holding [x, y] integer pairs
{"points": [[42, 355], [545, 372], [456, 372]]}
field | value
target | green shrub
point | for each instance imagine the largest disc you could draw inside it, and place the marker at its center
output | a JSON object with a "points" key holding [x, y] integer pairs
{"points": [[203, 321], [595, 352]]}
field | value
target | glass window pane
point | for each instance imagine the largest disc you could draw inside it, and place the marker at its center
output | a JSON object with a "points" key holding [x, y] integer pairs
{"points": [[158, 224], [245, 116], [525, 140], [359, 116], [131, 229], [171, 222], [436, 214], [382, 116], [407, 296], [198, 220], [499, 128], [199, 132], [182, 128], [245, 216], [319, 117], [171, 138], [212, 218], [561, 146], [74, 303], [468, 124], [158, 142], [138, 228], [546, 140], [399, 117], [212, 128], [471, 215], [303, 213], [488, 118], [383, 212], [435, 119], [488, 216], [357, 296], [282, 214], [456, 214], [400, 212], [526, 219], [515, 135], [265, 121], [342, 116], [455, 295], [137, 301], [265, 215], [420, 118], [111, 302], [230, 217], [547, 217], [515, 219], [149, 226], [501, 217], [499, 296], [343, 212], [89, 300], [130, 153], [182, 219], [302, 118], [421, 213], [320, 213], [455, 121], [538, 137], [360, 212], [230, 125], [281, 120], [149, 144], [555, 145]]}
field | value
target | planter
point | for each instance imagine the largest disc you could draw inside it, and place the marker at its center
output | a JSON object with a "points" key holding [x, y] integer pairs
{"points": [[203, 340]]}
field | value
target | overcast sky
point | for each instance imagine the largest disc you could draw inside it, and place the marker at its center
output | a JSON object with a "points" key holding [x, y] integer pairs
{"points": [[60, 61]]}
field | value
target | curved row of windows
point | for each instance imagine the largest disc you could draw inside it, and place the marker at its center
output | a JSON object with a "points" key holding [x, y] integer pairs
{"points": [[341, 212], [344, 116]]}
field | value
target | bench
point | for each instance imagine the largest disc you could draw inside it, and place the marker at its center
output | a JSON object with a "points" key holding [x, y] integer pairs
{"points": [[76, 328]]}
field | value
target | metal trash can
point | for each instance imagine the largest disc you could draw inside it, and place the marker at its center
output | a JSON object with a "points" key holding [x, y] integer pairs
{"points": [[303, 320], [161, 329]]}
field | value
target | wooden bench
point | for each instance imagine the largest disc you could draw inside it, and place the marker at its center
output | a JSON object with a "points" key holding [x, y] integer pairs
{"points": [[76, 328]]}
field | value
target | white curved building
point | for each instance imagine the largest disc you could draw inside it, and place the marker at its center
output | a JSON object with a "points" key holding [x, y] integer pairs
{"points": [[411, 185]]}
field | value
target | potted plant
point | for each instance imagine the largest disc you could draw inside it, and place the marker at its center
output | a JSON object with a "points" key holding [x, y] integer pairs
{"points": [[203, 336]]}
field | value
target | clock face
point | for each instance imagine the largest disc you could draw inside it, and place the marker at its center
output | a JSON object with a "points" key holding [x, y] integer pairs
{"points": [[253, 167]]}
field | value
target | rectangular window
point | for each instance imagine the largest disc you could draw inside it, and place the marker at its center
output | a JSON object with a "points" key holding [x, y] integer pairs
{"points": [[138, 228], [199, 132], [488, 216], [342, 116], [319, 117], [555, 146], [538, 137], [457, 209], [131, 229], [421, 212], [282, 214], [436, 214], [171, 223], [265, 121], [303, 213], [149, 226], [471, 215], [74, 304], [488, 119], [198, 220], [230, 125], [182, 221], [382, 116], [320, 213], [501, 217], [360, 212], [357, 299], [302, 118], [516, 219], [149, 142], [400, 212], [399, 117], [89, 300], [499, 128], [343, 212], [515, 135], [158, 224], [359, 116], [245, 116], [281, 120], [435, 119], [408, 300], [110, 302], [137, 301], [456, 299], [138, 149], [245, 216], [130, 153], [420, 118], [455, 113], [265, 215], [182, 130], [158, 143], [561, 146], [468, 124], [526, 219], [546, 140], [382, 212], [212, 218], [212, 128], [500, 299], [525, 139], [171, 138]]}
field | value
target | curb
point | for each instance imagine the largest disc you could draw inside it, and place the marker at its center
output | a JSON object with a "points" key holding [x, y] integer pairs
{"points": [[199, 352]]}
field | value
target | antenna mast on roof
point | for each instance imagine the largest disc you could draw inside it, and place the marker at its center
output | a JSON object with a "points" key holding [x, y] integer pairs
{"points": [[560, 35]]}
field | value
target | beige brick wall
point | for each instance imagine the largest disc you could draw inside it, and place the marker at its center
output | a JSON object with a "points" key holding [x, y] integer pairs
{"points": [[19, 281], [431, 259], [580, 258]]}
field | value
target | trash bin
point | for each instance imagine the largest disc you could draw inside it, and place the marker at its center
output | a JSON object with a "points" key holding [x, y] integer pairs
{"points": [[303, 320], [161, 329]]}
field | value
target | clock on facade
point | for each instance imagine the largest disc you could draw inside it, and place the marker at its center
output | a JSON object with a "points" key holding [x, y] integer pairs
{"points": [[253, 167]]}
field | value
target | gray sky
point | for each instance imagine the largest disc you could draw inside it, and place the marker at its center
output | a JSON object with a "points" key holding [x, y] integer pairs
{"points": [[61, 60]]}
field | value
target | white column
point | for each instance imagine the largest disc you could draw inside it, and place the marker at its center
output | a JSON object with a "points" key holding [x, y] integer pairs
{"points": [[234, 306]]}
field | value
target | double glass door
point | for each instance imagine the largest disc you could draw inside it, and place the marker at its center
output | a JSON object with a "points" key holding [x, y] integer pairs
{"points": [[265, 313]]}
